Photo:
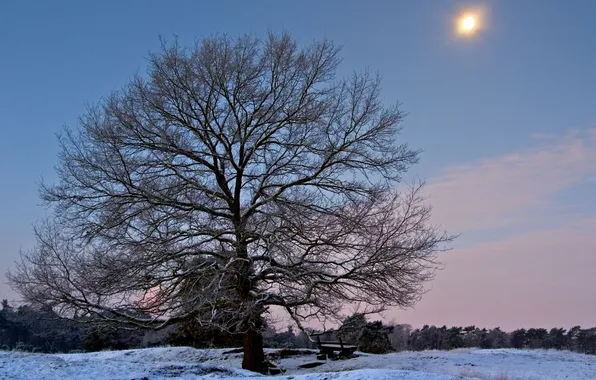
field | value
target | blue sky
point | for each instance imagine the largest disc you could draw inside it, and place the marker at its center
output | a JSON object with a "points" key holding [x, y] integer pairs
{"points": [[506, 118]]}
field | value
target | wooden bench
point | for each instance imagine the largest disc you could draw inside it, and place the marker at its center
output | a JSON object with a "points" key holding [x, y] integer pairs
{"points": [[333, 349]]}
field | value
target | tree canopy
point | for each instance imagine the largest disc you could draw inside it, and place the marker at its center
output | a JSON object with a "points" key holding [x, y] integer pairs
{"points": [[237, 175]]}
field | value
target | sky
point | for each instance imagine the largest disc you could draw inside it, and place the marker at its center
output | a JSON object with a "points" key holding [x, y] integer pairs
{"points": [[506, 120]]}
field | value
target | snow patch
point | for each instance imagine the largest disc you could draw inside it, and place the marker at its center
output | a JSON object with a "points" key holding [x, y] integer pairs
{"points": [[166, 363]]}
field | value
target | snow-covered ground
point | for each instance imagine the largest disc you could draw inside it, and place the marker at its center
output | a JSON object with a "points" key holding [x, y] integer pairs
{"points": [[187, 363]]}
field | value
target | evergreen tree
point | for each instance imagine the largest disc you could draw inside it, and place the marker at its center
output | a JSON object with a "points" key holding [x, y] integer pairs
{"points": [[518, 338], [374, 338], [351, 328]]}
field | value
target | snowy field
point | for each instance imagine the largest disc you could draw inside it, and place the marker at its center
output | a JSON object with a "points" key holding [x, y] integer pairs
{"points": [[188, 363]]}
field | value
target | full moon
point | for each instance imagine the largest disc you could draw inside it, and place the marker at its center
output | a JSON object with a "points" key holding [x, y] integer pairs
{"points": [[467, 24]]}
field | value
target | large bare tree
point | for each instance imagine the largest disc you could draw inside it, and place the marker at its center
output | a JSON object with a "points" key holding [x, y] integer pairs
{"points": [[236, 176]]}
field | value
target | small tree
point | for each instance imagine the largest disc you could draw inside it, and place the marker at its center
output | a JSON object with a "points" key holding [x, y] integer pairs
{"points": [[556, 339], [374, 338], [399, 337], [280, 339], [5, 305], [453, 338], [536, 337], [518, 338], [351, 328], [572, 338], [245, 170], [586, 341], [498, 338]]}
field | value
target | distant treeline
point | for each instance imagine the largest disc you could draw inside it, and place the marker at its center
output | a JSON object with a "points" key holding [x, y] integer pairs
{"points": [[375, 337], [33, 329]]}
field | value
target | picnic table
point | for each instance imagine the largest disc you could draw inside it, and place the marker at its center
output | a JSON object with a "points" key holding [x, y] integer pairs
{"points": [[332, 349]]}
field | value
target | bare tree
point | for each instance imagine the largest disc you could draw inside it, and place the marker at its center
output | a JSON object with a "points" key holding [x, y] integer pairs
{"points": [[238, 175]]}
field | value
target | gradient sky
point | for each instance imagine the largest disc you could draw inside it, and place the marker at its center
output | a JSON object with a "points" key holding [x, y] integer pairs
{"points": [[507, 122]]}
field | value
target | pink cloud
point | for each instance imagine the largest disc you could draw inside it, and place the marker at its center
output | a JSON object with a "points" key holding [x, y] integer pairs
{"points": [[536, 279], [500, 191]]}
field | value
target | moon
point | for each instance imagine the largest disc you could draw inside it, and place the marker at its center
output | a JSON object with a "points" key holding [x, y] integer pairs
{"points": [[468, 24]]}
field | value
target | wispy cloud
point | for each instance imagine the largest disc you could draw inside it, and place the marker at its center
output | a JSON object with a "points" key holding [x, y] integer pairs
{"points": [[533, 275], [504, 190]]}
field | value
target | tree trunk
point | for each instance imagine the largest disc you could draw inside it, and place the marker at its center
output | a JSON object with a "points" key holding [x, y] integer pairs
{"points": [[254, 356]]}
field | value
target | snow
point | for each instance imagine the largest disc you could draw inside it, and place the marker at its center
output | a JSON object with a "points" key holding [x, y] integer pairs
{"points": [[188, 363], [337, 345]]}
